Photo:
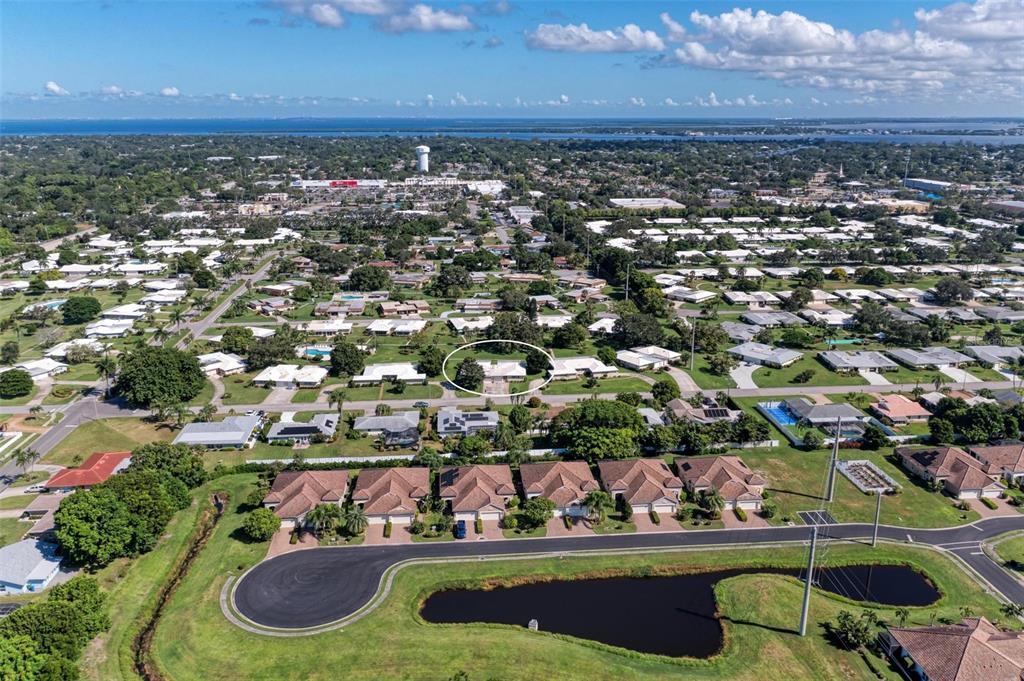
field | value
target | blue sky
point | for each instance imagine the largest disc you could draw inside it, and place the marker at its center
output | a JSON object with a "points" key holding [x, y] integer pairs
{"points": [[497, 58]]}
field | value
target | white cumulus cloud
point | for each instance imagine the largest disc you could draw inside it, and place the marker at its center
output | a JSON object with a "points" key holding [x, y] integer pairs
{"points": [[169, 91], [54, 88], [582, 38], [326, 15], [426, 19]]}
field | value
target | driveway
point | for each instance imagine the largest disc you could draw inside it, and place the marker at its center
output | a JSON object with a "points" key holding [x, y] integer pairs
{"points": [[492, 530], [743, 376], [683, 379], [644, 523], [375, 535], [281, 542], [874, 378], [958, 375], [730, 520], [557, 528], [1003, 508]]}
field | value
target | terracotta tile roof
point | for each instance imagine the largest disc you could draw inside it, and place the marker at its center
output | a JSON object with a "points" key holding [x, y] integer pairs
{"points": [[391, 490], [477, 488], [1008, 458], [93, 471], [298, 492], [957, 467], [899, 406], [972, 651], [563, 482], [728, 474], [641, 481]]}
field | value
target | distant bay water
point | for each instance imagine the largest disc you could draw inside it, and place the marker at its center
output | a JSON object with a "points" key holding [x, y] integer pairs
{"points": [[903, 131]]}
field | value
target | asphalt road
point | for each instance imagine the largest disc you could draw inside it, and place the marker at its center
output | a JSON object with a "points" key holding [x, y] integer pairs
{"points": [[314, 587]]}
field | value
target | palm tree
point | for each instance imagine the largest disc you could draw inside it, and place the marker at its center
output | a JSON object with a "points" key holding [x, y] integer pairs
{"points": [[597, 502], [23, 458], [902, 615], [35, 411], [337, 398], [324, 517], [176, 316], [161, 334], [712, 501], [355, 520], [108, 369], [206, 414], [1013, 609]]}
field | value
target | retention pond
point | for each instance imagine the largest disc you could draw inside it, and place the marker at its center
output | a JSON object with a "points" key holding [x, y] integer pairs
{"points": [[664, 615]]}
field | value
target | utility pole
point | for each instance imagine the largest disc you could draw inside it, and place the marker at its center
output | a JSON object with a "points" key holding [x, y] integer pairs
{"points": [[629, 266], [693, 340], [833, 459], [810, 580], [878, 514]]}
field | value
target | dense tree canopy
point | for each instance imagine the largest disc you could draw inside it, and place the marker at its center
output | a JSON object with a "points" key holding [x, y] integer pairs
{"points": [[153, 374], [80, 309]]}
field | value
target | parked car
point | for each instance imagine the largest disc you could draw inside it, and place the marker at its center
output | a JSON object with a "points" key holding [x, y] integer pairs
{"points": [[460, 529], [420, 405], [35, 489]]}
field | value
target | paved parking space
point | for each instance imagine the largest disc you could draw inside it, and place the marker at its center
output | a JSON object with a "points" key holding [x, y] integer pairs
{"points": [[644, 523], [375, 535], [281, 542], [754, 519], [557, 528], [1003, 508], [492, 530]]}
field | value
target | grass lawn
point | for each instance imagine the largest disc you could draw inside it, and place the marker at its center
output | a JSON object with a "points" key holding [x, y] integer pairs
{"points": [[605, 385], [16, 501], [760, 614], [766, 377], [1011, 551], [105, 435], [239, 390], [703, 376], [519, 532], [19, 401], [30, 478], [80, 372], [204, 396], [11, 530]]}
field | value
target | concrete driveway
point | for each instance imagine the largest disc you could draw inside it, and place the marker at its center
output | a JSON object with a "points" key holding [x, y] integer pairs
{"points": [[644, 523], [874, 378], [492, 530], [375, 535], [743, 376], [958, 375]]}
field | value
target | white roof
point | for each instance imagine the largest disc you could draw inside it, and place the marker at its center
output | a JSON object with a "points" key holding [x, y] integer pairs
{"points": [[461, 324], [220, 361], [572, 366], [26, 561], [403, 371], [503, 368]]}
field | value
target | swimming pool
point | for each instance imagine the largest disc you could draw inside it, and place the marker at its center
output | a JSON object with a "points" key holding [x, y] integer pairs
{"points": [[781, 414], [317, 352]]}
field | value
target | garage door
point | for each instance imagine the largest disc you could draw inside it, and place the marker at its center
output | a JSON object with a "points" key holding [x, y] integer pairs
{"points": [[993, 493], [750, 505], [576, 511], [376, 519], [664, 509], [401, 519], [468, 517], [493, 515]]}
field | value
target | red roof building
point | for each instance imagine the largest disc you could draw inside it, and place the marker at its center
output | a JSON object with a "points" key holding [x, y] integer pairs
{"points": [[96, 469]]}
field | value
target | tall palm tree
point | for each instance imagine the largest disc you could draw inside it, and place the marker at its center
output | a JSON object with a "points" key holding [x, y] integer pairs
{"points": [[597, 502], [711, 500], [161, 334], [177, 316], [206, 414], [902, 615], [23, 458], [355, 520], [336, 398], [108, 369]]}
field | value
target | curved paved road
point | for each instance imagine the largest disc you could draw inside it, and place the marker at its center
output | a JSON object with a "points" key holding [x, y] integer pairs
{"points": [[315, 587]]}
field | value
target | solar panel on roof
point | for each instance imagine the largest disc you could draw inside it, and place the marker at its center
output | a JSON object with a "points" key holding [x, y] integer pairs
{"points": [[716, 413]]}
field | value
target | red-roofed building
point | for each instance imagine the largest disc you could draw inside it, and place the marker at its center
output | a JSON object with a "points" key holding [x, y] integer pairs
{"points": [[96, 469]]}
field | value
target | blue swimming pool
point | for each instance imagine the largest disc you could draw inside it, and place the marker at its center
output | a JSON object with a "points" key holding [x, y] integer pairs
{"points": [[317, 352], [781, 414]]}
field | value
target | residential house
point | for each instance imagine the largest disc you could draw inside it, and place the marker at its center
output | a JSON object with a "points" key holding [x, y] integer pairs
{"points": [[646, 485], [391, 494], [963, 476], [646, 358], [900, 409], [27, 566], [477, 304], [296, 493], [477, 492], [739, 486], [1006, 459], [853, 362], [234, 432], [453, 421], [772, 319], [320, 427], [39, 369], [109, 329], [740, 332], [938, 357], [569, 368], [998, 355], [974, 650], [291, 376], [375, 374], [765, 355], [396, 327], [709, 411], [464, 324], [94, 470], [328, 327], [221, 363], [408, 308], [566, 483], [400, 429]]}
